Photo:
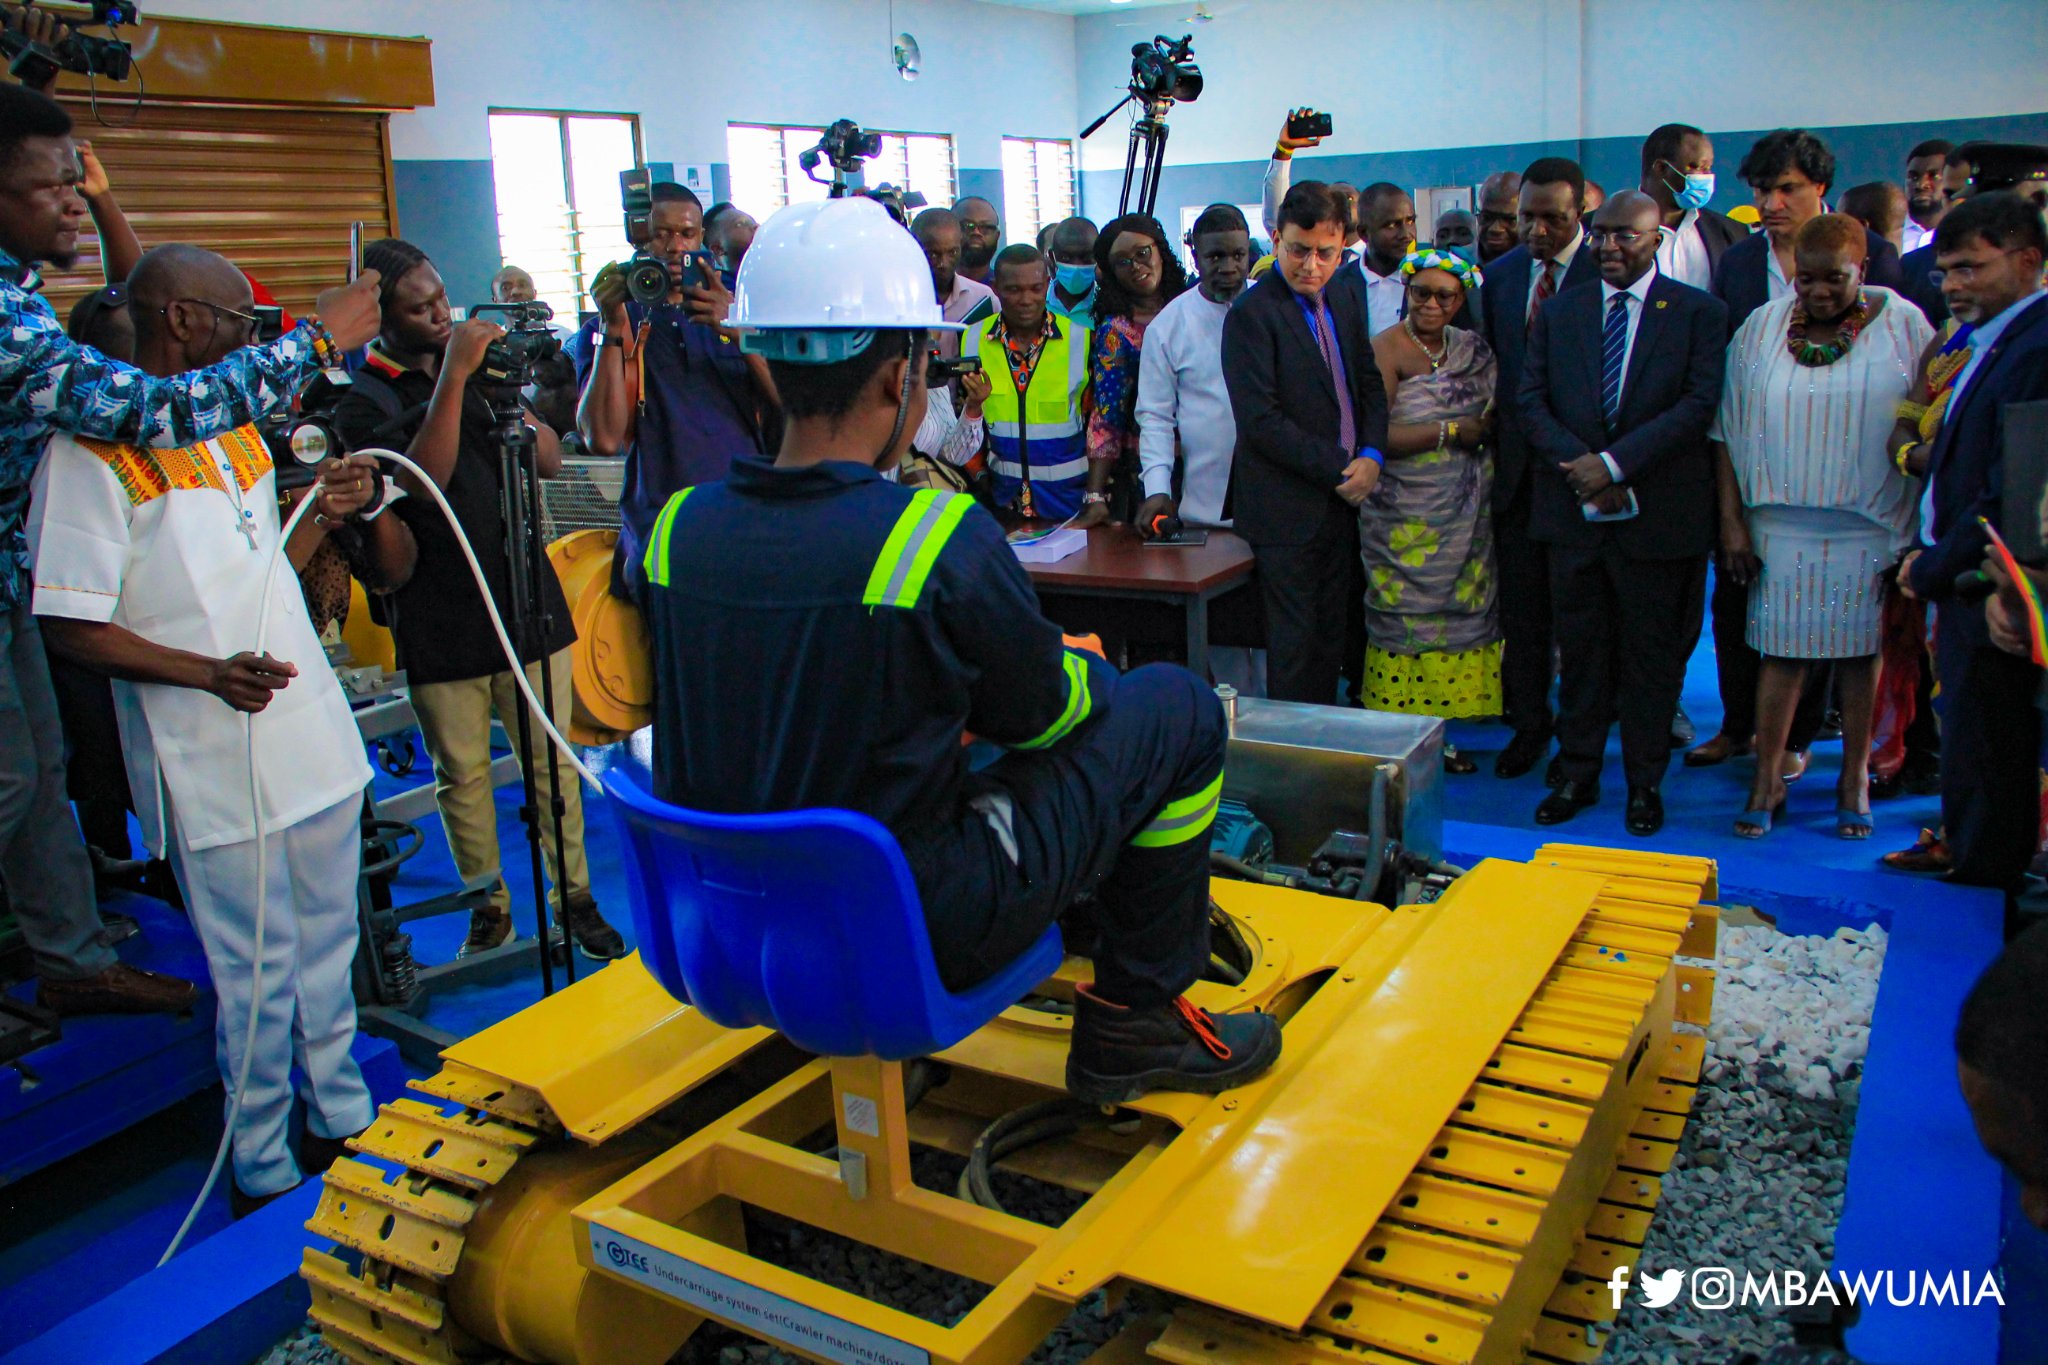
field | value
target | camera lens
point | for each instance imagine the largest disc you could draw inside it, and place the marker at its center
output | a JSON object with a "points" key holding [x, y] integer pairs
{"points": [[647, 280], [311, 444]]}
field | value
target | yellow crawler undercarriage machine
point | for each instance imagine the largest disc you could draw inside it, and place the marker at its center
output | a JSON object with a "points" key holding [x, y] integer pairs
{"points": [[1461, 1141]]}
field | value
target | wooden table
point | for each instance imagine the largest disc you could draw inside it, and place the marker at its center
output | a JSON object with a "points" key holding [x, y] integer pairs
{"points": [[1118, 564]]}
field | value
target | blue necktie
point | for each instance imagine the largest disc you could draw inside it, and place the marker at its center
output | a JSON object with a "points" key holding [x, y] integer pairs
{"points": [[1613, 346]]}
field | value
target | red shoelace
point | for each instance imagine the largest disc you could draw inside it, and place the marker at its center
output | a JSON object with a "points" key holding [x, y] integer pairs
{"points": [[1203, 1027]]}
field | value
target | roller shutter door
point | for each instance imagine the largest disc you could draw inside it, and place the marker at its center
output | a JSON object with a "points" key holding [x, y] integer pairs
{"points": [[273, 190]]}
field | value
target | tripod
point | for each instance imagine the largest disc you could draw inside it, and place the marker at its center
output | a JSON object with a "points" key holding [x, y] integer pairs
{"points": [[529, 623], [1148, 139]]}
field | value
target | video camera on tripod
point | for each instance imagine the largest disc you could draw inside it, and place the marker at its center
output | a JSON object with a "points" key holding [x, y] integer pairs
{"points": [[1163, 72], [847, 149], [37, 64], [509, 361]]}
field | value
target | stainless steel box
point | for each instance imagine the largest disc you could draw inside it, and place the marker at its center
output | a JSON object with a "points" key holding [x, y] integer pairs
{"points": [[1307, 770]]}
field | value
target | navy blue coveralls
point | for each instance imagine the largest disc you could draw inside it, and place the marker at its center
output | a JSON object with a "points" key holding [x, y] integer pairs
{"points": [[821, 639]]}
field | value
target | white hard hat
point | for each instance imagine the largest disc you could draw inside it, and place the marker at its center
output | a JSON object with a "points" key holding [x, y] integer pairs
{"points": [[839, 266]]}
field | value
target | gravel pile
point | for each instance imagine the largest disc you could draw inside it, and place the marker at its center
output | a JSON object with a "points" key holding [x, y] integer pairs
{"points": [[1757, 1185]]}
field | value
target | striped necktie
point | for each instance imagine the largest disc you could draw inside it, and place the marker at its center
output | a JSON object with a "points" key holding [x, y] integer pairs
{"points": [[1546, 285], [1613, 346]]}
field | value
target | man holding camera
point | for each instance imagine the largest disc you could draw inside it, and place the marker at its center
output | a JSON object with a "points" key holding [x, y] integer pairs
{"points": [[665, 383], [151, 566], [48, 384], [416, 393]]}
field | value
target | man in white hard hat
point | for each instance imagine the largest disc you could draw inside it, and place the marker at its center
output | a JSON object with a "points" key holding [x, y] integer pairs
{"points": [[890, 622]]}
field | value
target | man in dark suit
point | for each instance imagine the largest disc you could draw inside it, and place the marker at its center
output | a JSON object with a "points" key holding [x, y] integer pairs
{"points": [[1788, 172], [1617, 392], [1990, 248], [1552, 195], [1311, 418], [1678, 172]]}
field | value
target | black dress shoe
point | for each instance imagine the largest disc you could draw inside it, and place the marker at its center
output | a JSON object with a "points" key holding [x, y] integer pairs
{"points": [[1521, 754], [1568, 800], [1645, 811], [1553, 776]]}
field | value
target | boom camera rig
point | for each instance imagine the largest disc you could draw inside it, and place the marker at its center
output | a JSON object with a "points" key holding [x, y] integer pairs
{"points": [[1163, 72], [37, 64]]}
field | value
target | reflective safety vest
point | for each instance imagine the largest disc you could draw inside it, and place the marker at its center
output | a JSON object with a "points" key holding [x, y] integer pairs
{"points": [[1038, 440]]}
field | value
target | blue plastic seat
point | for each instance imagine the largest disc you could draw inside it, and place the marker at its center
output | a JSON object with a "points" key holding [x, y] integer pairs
{"points": [[805, 921]]}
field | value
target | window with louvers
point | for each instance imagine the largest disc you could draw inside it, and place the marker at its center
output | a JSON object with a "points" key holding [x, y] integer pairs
{"points": [[273, 190]]}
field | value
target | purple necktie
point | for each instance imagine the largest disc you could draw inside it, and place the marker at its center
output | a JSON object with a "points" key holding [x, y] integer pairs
{"points": [[1325, 329]]}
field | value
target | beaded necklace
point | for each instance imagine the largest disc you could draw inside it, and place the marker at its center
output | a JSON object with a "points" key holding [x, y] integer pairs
{"points": [[1816, 354], [1436, 362]]}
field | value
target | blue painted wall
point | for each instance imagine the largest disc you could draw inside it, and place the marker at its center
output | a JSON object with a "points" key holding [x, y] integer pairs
{"points": [[1862, 153], [449, 209]]}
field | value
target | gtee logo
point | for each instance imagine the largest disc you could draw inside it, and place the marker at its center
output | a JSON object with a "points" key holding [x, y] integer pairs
{"points": [[1715, 1288]]}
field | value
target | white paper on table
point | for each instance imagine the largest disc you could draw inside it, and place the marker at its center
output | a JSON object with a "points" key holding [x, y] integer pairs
{"points": [[1050, 549]]}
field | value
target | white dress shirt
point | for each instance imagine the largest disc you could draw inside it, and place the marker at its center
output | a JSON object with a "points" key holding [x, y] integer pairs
{"points": [[943, 435], [185, 567], [1384, 296], [1182, 401], [1913, 236], [1774, 274], [967, 296], [1279, 174], [1564, 267], [1683, 253], [1638, 295]]}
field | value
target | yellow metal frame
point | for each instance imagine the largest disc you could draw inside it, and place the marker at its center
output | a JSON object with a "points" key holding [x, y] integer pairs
{"points": [[1462, 1139]]}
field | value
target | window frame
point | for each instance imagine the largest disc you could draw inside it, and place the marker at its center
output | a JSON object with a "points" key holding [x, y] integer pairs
{"points": [[575, 229], [1013, 217], [782, 130]]}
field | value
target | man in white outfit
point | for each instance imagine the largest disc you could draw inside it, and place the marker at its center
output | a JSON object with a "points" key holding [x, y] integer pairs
{"points": [[150, 566]]}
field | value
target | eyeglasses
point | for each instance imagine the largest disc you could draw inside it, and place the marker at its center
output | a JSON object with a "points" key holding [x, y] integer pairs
{"points": [[1143, 255], [1443, 298], [249, 320], [1301, 251], [1623, 237], [1964, 274]]}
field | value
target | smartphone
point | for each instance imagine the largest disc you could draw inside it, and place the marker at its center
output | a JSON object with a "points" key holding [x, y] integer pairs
{"points": [[1185, 538], [355, 251], [1310, 124], [1628, 513], [699, 270]]}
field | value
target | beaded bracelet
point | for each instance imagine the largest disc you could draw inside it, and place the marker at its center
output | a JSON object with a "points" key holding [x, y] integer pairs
{"points": [[1899, 455], [324, 349]]}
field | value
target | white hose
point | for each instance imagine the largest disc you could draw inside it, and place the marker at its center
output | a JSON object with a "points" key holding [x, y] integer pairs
{"points": [[519, 679]]}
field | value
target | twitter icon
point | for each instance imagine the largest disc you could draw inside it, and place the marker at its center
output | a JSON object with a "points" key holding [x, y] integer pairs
{"points": [[1660, 1290]]}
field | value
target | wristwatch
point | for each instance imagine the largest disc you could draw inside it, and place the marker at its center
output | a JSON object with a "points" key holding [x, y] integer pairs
{"points": [[1094, 497]]}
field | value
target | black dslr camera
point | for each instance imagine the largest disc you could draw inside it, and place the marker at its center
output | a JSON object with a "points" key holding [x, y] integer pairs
{"points": [[301, 433], [509, 361], [648, 280], [36, 64]]}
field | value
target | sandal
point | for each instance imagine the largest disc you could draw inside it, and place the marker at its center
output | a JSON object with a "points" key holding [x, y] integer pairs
{"points": [[1851, 823], [1755, 824], [1455, 762], [1929, 854], [1716, 751]]}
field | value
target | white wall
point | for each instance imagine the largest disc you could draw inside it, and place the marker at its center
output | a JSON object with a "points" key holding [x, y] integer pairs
{"points": [[687, 67], [1466, 73]]}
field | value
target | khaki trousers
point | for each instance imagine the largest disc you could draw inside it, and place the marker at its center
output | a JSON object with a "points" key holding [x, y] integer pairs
{"points": [[455, 720]]}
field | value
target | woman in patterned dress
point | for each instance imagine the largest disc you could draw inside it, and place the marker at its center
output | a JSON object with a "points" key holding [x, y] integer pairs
{"points": [[1426, 533], [1139, 274]]}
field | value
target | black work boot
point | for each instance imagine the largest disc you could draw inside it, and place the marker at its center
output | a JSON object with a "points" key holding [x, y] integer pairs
{"points": [[593, 934], [1119, 1053]]}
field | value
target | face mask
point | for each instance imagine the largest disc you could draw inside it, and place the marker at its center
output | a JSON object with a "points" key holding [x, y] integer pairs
{"points": [[1698, 190], [1075, 279]]}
